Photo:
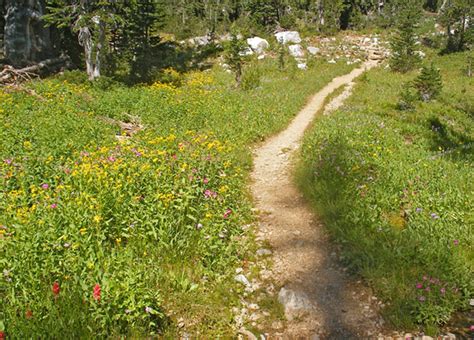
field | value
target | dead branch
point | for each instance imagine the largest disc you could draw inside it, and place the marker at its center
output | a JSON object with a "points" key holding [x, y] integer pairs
{"points": [[11, 75]]}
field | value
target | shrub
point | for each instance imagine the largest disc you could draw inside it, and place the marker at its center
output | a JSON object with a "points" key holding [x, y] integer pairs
{"points": [[428, 83]]}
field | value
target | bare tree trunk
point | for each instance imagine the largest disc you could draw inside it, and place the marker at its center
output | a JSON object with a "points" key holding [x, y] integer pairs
{"points": [[85, 40], [320, 13], [443, 6], [380, 5], [99, 46]]}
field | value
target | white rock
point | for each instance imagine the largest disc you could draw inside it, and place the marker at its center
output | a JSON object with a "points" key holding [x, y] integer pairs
{"points": [[249, 335], [264, 252], [258, 45], [471, 302], [313, 50], [239, 270], [243, 280], [253, 306], [294, 301], [261, 57], [296, 51], [200, 41], [288, 37], [302, 66], [246, 52], [421, 54]]}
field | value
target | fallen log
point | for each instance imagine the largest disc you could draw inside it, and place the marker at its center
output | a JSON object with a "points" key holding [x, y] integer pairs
{"points": [[9, 74]]}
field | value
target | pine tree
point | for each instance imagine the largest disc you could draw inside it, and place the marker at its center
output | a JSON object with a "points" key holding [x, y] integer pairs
{"points": [[455, 16], [234, 56], [429, 83], [403, 44]]}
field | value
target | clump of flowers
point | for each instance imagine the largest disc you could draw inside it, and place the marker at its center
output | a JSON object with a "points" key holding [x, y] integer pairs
{"points": [[435, 300]]}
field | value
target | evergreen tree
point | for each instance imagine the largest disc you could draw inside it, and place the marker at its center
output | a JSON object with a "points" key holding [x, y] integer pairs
{"points": [[455, 16], [91, 21], [234, 56], [428, 83], [403, 43]]}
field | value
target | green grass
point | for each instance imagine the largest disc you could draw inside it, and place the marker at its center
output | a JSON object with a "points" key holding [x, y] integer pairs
{"points": [[154, 220], [395, 190]]}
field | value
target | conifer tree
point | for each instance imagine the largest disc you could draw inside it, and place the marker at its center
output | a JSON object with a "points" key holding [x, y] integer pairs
{"points": [[428, 83], [235, 57], [403, 44]]}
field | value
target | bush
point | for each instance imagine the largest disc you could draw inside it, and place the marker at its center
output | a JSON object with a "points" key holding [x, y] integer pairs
{"points": [[428, 83]]}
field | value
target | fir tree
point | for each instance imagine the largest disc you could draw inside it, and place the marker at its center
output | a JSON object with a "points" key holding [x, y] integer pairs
{"points": [[428, 83], [235, 57], [455, 16], [403, 44]]}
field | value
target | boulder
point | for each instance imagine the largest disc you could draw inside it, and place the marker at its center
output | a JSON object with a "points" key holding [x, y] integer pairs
{"points": [[313, 50], [302, 66], [200, 41], [296, 51], [258, 45], [246, 52], [288, 37], [421, 54]]}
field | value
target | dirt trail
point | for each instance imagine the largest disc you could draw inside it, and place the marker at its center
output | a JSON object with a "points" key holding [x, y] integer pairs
{"points": [[320, 300]]}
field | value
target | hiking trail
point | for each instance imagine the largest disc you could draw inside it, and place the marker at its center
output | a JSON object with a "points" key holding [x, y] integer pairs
{"points": [[320, 299]]}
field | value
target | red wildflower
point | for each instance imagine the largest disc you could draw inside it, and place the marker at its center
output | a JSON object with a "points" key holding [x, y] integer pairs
{"points": [[227, 213], [3, 336], [56, 288], [96, 292], [28, 314]]}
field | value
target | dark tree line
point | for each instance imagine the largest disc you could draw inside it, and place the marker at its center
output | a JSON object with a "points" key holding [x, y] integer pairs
{"points": [[109, 33]]}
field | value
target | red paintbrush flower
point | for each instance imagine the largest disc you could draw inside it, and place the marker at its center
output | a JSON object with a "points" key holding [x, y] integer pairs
{"points": [[28, 314], [96, 292], [3, 336], [56, 288]]}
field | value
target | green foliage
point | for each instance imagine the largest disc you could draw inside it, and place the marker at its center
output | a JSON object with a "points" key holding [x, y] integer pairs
{"points": [[408, 98], [428, 83], [154, 219], [251, 78], [454, 16], [403, 57], [395, 189], [234, 56]]}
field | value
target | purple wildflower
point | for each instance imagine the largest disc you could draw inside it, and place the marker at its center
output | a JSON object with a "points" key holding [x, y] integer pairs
{"points": [[419, 285], [419, 210], [456, 242], [45, 186], [434, 216], [7, 161], [421, 299], [442, 291]]}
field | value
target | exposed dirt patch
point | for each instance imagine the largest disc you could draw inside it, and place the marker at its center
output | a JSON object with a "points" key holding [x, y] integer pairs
{"points": [[320, 299]]}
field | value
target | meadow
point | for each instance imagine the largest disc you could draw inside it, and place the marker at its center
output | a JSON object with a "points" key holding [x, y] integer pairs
{"points": [[103, 234], [395, 190]]}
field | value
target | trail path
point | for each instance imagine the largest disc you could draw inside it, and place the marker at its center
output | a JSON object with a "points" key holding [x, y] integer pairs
{"points": [[320, 300]]}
